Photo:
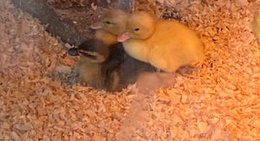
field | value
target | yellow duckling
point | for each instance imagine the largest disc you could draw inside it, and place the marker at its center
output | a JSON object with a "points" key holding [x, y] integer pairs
{"points": [[166, 45]]}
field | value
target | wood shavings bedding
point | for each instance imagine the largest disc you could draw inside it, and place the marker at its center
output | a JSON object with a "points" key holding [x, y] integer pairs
{"points": [[220, 101], [33, 107], [207, 106]]}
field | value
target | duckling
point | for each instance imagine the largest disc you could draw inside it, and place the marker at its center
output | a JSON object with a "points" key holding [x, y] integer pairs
{"points": [[166, 45], [98, 64], [112, 23]]}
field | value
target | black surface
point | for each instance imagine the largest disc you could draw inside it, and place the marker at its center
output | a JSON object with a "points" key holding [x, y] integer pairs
{"points": [[64, 29]]}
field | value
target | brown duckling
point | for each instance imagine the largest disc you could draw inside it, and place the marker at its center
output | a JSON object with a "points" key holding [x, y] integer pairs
{"points": [[112, 21], [97, 64]]}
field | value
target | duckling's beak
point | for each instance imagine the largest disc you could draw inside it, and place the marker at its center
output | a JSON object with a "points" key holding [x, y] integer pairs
{"points": [[96, 25], [123, 37], [91, 30]]}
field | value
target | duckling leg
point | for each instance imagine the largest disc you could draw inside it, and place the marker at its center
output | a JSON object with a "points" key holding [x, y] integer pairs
{"points": [[187, 71]]}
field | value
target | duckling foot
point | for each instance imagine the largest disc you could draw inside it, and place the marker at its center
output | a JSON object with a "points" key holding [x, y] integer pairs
{"points": [[187, 71]]}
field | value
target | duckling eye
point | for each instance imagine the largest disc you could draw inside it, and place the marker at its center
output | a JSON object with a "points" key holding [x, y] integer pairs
{"points": [[107, 22], [137, 29]]}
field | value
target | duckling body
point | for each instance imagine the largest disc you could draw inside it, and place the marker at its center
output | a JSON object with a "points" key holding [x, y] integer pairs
{"points": [[90, 74], [171, 52], [166, 45], [98, 64]]}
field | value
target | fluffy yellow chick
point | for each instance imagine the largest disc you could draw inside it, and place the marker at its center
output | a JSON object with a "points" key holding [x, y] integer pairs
{"points": [[256, 25], [112, 23], [167, 45]]}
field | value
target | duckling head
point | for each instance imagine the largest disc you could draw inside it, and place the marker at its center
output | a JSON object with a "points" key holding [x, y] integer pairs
{"points": [[140, 25], [91, 50], [112, 21]]}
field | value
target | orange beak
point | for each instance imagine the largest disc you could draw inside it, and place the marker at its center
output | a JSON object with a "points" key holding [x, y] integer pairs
{"points": [[123, 37], [96, 25]]}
